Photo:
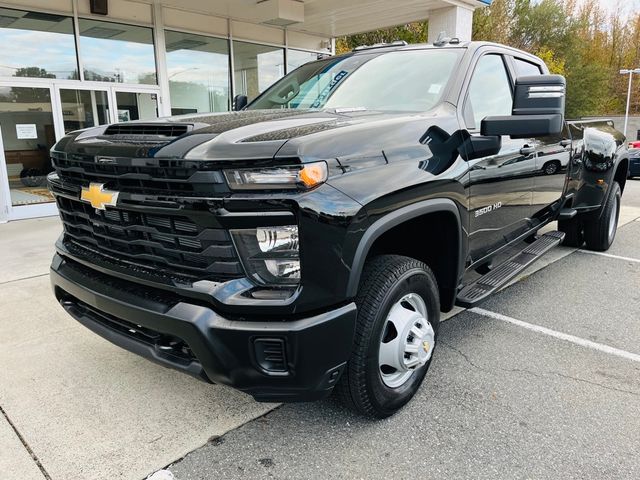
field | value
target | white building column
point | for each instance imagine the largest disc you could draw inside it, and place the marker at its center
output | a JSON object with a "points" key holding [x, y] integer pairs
{"points": [[454, 21], [164, 103]]}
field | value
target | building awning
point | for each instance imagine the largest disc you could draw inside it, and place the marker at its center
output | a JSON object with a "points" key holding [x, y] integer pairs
{"points": [[331, 18]]}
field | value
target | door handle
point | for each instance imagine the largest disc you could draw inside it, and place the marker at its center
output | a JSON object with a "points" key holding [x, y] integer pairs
{"points": [[527, 150]]}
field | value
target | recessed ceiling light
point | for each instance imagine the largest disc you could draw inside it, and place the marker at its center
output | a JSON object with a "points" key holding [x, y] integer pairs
{"points": [[45, 17], [101, 32], [185, 44], [5, 21]]}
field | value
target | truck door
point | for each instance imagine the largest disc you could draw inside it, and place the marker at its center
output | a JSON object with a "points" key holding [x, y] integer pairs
{"points": [[500, 187]]}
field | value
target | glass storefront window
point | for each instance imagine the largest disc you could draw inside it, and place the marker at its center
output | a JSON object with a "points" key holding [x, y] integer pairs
{"points": [[26, 122], [84, 108], [37, 45], [256, 67], [297, 58], [115, 52], [198, 71]]}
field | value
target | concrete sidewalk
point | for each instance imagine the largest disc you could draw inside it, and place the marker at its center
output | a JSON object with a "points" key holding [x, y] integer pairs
{"points": [[85, 408]]}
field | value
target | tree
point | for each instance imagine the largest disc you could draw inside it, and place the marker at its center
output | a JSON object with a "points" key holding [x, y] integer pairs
{"points": [[416, 32], [575, 38], [31, 95], [32, 72]]}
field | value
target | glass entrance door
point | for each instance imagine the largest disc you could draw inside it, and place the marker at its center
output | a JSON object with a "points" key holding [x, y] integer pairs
{"points": [[136, 105], [28, 132], [84, 108], [33, 116]]}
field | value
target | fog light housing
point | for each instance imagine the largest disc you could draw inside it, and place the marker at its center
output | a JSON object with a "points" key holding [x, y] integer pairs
{"points": [[270, 255]]}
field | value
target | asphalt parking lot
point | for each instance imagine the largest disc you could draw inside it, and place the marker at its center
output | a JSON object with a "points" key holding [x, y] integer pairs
{"points": [[542, 381], [500, 401]]}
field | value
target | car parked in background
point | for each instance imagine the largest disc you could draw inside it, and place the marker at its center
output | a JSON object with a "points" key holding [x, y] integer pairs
{"points": [[634, 160]]}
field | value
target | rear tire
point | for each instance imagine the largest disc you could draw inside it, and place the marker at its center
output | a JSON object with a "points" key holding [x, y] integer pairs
{"points": [[398, 317], [551, 167], [599, 233]]}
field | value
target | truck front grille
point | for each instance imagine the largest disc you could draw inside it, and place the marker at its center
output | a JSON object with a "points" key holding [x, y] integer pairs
{"points": [[142, 175], [171, 243]]}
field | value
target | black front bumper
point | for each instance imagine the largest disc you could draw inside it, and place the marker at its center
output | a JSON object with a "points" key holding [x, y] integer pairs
{"points": [[310, 353]]}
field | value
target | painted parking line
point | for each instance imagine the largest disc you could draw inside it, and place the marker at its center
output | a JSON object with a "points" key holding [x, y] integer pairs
{"points": [[608, 255], [559, 335]]}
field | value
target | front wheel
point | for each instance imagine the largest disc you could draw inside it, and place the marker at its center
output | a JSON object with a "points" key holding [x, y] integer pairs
{"points": [[396, 332], [599, 233]]}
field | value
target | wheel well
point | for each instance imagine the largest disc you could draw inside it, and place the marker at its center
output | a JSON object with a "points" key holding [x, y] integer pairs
{"points": [[433, 239], [621, 173]]}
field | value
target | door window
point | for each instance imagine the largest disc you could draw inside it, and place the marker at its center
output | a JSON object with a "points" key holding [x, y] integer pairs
{"points": [[28, 133], [489, 91], [136, 106], [526, 69], [84, 108]]}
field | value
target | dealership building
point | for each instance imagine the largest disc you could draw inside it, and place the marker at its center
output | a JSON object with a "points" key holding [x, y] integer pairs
{"points": [[72, 64]]}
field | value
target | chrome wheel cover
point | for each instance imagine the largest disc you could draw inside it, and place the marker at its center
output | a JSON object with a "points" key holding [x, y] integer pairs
{"points": [[407, 341]]}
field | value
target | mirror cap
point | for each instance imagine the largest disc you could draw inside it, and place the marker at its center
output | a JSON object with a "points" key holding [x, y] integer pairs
{"points": [[540, 95], [523, 126]]}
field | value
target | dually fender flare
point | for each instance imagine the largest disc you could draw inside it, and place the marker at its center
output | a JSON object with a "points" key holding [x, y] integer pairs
{"points": [[622, 154], [395, 218]]}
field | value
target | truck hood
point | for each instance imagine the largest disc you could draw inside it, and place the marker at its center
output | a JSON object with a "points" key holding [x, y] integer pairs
{"points": [[258, 135]]}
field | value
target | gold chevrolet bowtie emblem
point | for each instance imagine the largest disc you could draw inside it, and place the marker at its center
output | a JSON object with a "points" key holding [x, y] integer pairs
{"points": [[98, 197]]}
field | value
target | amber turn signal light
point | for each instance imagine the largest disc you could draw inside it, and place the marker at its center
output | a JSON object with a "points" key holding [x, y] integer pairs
{"points": [[313, 174]]}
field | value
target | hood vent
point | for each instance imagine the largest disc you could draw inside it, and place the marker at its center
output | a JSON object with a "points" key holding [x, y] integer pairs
{"points": [[147, 130]]}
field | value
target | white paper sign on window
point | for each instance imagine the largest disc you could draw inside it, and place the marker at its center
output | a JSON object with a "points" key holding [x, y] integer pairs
{"points": [[26, 131]]}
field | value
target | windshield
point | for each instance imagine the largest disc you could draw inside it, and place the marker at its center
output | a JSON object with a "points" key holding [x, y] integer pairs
{"points": [[409, 80]]}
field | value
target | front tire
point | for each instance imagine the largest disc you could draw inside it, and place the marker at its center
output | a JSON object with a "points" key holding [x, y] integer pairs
{"points": [[396, 332], [599, 233]]}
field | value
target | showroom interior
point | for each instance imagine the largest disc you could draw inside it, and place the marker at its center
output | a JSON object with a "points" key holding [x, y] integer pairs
{"points": [[72, 64]]}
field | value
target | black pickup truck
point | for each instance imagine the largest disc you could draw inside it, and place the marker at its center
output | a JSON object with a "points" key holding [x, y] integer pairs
{"points": [[309, 241]]}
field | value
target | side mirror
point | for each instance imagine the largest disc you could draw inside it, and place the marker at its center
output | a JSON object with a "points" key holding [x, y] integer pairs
{"points": [[538, 109], [239, 102], [479, 147]]}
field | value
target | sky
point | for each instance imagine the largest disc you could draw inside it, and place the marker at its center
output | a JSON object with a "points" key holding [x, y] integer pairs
{"points": [[625, 6], [612, 6]]}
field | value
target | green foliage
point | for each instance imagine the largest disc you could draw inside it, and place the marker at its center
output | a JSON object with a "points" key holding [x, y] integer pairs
{"points": [[33, 72], [415, 32], [576, 38]]}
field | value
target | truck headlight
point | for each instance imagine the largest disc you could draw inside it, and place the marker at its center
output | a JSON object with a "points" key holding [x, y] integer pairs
{"points": [[270, 255], [277, 178]]}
